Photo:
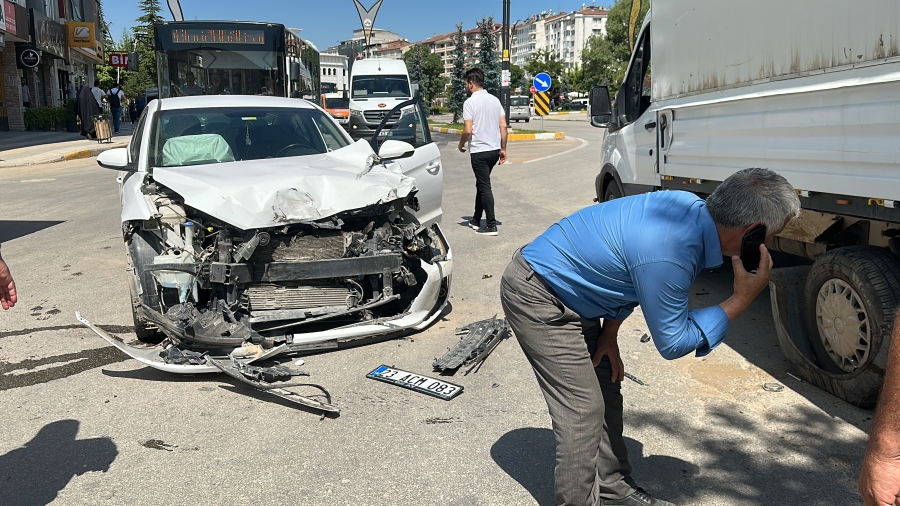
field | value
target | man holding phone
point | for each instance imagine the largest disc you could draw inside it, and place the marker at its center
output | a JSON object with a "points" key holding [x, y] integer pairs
{"points": [[566, 294]]}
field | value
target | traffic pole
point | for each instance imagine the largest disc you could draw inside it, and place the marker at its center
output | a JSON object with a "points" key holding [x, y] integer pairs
{"points": [[505, 79]]}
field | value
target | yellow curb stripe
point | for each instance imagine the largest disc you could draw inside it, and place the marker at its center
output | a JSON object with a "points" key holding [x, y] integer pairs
{"points": [[84, 153]]}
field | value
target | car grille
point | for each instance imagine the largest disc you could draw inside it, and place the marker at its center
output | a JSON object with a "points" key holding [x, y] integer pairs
{"points": [[377, 116], [269, 297]]}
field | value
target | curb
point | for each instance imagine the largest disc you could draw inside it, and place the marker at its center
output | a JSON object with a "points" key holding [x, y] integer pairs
{"points": [[566, 112], [75, 155], [549, 136]]}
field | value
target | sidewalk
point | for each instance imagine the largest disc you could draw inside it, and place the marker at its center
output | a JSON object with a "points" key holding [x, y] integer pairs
{"points": [[32, 148]]}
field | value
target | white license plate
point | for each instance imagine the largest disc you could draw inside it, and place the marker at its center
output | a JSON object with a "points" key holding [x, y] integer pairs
{"points": [[417, 382], [383, 133]]}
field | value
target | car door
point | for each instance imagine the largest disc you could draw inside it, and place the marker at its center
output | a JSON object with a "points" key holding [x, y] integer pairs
{"points": [[640, 134], [424, 165]]}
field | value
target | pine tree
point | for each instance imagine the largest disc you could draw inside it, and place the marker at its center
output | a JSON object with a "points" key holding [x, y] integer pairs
{"points": [[425, 68], [487, 54], [458, 77]]}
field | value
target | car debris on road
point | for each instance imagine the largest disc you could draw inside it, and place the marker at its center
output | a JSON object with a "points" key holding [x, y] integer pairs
{"points": [[478, 340]]}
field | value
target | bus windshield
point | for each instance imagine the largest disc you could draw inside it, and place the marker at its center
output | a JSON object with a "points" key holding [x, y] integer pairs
{"points": [[380, 86]]}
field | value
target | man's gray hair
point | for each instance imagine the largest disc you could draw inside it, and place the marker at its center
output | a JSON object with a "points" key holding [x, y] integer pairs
{"points": [[754, 196]]}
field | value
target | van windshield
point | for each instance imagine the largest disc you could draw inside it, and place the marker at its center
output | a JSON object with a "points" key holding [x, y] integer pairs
{"points": [[518, 101], [380, 86]]}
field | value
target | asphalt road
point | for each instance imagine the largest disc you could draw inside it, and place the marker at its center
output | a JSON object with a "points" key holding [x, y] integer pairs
{"points": [[84, 425]]}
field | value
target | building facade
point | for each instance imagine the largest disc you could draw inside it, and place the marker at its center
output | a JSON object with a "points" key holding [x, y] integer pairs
{"points": [[45, 45], [335, 73], [566, 34]]}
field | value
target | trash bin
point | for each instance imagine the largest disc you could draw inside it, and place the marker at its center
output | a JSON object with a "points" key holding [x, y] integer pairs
{"points": [[102, 128]]}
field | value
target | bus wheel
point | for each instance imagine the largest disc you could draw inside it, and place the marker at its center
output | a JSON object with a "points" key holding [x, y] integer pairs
{"points": [[850, 298]]}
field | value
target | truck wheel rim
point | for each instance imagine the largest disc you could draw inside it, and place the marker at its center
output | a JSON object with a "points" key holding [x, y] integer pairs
{"points": [[843, 325]]}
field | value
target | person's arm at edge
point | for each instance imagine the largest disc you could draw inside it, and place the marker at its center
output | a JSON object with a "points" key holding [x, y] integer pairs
{"points": [[503, 136], [879, 478], [466, 135], [608, 345], [8, 296]]}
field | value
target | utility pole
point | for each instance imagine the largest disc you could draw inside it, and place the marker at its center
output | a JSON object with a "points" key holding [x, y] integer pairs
{"points": [[505, 78]]}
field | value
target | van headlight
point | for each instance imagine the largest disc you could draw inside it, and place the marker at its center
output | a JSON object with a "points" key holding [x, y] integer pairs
{"points": [[356, 113]]}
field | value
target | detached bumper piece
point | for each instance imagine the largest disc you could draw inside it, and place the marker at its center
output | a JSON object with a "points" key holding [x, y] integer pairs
{"points": [[269, 380], [478, 340]]}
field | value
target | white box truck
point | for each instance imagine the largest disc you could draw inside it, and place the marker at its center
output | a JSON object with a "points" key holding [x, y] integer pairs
{"points": [[810, 89]]}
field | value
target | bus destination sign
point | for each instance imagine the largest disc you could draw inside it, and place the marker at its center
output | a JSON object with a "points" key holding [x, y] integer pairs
{"points": [[217, 36]]}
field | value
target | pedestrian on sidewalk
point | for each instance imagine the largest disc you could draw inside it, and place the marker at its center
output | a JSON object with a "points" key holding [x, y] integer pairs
{"points": [[132, 111], [566, 294], [26, 94], [115, 98], [485, 131], [98, 93], [8, 296], [86, 108]]}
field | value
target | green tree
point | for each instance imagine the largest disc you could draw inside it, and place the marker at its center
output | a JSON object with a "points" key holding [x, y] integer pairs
{"points": [[137, 83], [517, 79], [458, 77], [605, 59], [487, 54], [547, 61], [425, 68], [109, 75]]}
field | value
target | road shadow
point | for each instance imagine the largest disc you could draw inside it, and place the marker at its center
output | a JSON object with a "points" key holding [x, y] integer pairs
{"points": [[733, 460], [14, 229], [35, 473]]}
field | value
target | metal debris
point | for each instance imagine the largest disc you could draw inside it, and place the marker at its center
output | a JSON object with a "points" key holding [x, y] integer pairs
{"points": [[178, 356], [478, 340], [633, 378], [487, 276], [795, 377], [773, 387]]}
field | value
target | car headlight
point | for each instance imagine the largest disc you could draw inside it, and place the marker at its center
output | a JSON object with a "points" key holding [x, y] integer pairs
{"points": [[358, 114]]}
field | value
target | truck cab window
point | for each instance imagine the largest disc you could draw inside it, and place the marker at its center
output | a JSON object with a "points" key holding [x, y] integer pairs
{"points": [[637, 87]]}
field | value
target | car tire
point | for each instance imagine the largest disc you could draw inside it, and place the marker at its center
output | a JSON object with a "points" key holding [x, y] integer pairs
{"points": [[850, 297], [612, 192], [527, 120], [142, 247]]}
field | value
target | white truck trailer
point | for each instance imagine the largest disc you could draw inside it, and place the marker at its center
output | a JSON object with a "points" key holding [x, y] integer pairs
{"points": [[810, 89]]}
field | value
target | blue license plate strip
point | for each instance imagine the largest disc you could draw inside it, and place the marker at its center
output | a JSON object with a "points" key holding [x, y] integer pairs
{"points": [[422, 384]]}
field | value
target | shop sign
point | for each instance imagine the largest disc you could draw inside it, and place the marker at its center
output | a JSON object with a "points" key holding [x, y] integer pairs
{"points": [[48, 35], [118, 59], [81, 34], [9, 11], [30, 58], [2, 15]]}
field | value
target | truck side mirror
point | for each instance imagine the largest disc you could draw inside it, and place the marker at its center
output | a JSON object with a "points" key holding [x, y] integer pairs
{"points": [[295, 71], [601, 110]]}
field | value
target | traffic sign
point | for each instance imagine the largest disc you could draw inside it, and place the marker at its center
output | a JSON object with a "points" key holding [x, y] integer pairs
{"points": [[533, 90], [542, 103], [542, 82]]}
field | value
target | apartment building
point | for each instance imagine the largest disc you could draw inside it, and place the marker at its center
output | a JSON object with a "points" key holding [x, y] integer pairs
{"points": [[566, 34], [444, 45]]}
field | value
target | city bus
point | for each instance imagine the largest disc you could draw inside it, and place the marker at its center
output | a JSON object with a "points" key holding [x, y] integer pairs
{"points": [[234, 58]]}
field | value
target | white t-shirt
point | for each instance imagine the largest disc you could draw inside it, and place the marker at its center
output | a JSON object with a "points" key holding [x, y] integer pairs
{"points": [[98, 94], [485, 112]]}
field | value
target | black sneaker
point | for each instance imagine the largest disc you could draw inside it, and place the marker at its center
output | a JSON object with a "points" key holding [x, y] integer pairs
{"points": [[475, 225], [637, 498], [487, 230]]}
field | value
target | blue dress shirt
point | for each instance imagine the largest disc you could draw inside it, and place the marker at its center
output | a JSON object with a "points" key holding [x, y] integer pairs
{"points": [[606, 259]]}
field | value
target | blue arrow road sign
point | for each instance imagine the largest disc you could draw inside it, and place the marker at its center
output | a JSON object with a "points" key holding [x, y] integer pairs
{"points": [[542, 82]]}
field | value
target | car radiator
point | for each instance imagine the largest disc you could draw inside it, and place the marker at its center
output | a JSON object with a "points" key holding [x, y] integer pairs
{"points": [[268, 297]]}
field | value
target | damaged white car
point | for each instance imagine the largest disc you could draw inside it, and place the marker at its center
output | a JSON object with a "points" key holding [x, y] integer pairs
{"points": [[254, 226]]}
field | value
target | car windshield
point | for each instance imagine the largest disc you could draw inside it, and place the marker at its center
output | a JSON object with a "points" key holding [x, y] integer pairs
{"points": [[518, 101], [337, 103], [380, 86], [207, 136]]}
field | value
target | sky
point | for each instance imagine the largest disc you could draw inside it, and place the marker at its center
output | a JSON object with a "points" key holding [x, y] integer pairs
{"points": [[326, 22]]}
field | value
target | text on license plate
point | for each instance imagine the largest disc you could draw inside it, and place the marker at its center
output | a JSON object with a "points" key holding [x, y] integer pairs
{"points": [[383, 133], [417, 382]]}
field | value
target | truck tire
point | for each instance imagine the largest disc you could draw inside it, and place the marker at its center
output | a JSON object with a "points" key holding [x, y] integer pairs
{"points": [[850, 298], [612, 192], [142, 247]]}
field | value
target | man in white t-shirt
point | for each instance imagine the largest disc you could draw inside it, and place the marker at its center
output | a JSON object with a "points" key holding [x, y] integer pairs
{"points": [[486, 134], [98, 93]]}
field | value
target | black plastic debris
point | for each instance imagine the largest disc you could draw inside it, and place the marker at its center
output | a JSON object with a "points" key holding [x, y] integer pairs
{"points": [[269, 374], [635, 379], [177, 356], [478, 340], [645, 338]]}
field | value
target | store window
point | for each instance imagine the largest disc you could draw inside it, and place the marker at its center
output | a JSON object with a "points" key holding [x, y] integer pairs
{"points": [[76, 10]]}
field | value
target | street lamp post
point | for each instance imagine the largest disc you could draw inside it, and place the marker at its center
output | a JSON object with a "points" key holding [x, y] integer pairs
{"points": [[504, 88]]}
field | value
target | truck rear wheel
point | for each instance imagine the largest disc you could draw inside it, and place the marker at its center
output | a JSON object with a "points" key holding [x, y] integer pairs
{"points": [[612, 192], [851, 295]]}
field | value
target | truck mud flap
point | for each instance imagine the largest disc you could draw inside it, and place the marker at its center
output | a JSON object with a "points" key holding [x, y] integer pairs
{"points": [[234, 369], [478, 340]]}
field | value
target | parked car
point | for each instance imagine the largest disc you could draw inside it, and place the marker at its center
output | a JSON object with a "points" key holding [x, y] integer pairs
{"points": [[256, 223], [519, 109]]}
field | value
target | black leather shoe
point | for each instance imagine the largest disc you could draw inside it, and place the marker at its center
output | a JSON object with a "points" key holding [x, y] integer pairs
{"points": [[637, 498]]}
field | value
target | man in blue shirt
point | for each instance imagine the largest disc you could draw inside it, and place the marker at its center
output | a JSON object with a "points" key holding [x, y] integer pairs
{"points": [[566, 294]]}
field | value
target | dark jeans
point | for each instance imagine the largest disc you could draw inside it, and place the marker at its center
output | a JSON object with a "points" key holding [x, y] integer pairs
{"points": [[585, 406], [482, 165], [117, 117]]}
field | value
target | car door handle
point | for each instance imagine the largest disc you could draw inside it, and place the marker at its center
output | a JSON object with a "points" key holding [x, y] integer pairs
{"points": [[433, 167], [650, 125]]}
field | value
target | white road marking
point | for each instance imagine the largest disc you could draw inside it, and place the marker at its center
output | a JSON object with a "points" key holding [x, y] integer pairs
{"points": [[36, 180], [576, 148]]}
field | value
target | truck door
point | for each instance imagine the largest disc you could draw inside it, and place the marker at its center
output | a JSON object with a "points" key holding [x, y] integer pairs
{"points": [[636, 111], [664, 141]]}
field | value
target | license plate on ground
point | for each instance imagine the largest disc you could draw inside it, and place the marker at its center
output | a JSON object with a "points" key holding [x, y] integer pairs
{"points": [[417, 382]]}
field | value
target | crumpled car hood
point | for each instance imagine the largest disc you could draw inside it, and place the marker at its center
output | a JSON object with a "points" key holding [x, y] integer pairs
{"points": [[279, 191]]}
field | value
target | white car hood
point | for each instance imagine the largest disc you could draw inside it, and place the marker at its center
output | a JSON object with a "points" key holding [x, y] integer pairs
{"points": [[278, 191]]}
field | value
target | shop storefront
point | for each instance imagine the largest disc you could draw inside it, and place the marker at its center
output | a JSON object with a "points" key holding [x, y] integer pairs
{"points": [[48, 38], [14, 30]]}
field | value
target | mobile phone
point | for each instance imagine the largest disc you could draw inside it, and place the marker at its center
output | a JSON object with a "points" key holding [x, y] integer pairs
{"points": [[750, 248]]}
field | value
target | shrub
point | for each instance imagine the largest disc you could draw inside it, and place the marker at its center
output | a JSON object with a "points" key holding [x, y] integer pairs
{"points": [[32, 117]]}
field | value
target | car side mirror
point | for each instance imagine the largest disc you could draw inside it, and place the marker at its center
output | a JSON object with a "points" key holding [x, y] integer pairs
{"points": [[395, 150], [601, 109], [116, 159]]}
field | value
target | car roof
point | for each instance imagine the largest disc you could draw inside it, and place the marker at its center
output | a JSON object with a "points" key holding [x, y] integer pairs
{"points": [[211, 101]]}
